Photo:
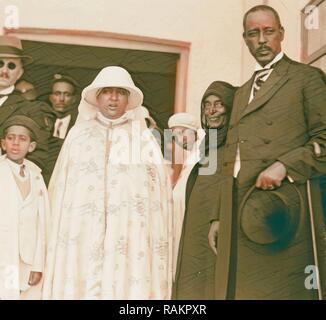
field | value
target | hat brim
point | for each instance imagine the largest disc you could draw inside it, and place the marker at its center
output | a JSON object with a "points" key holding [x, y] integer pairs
{"points": [[173, 125], [135, 98], [25, 58], [260, 207]]}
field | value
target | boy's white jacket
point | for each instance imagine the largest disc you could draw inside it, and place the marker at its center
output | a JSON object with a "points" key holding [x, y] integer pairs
{"points": [[23, 229]]}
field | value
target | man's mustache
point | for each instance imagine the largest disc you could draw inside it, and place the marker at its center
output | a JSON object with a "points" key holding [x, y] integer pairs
{"points": [[263, 48]]}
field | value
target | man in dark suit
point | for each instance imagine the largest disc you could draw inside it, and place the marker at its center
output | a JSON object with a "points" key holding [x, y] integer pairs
{"points": [[277, 136], [63, 99], [12, 61]]}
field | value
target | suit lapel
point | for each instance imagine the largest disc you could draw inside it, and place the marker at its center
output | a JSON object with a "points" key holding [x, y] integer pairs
{"points": [[276, 80], [11, 186], [241, 100], [34, 176], [30, 197], [9, 106]]}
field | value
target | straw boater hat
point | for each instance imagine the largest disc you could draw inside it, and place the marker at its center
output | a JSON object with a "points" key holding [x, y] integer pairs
{"points": [[184, 119], [11, 47], [109, 77]]}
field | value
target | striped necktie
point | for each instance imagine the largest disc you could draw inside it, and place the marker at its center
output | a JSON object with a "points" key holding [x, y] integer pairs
{"points": [[259, 79]]}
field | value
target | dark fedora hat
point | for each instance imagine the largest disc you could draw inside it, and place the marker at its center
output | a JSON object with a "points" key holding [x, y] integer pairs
{"points": [[24, 121], [11, 47], [271, 217]]}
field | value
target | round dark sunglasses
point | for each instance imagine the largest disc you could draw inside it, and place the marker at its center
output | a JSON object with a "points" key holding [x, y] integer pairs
{"points": [[10, 65]]}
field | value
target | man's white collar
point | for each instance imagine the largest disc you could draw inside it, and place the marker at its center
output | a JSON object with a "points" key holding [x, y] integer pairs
{"points": [[8, 90], [15, 167], [276, 59]]}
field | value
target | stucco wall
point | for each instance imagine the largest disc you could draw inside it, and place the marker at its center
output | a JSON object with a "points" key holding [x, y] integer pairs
{"points": [[213, 27]]}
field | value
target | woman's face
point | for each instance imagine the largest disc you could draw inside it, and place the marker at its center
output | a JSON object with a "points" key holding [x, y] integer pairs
{"points": [[215, 113], [113, 102]]}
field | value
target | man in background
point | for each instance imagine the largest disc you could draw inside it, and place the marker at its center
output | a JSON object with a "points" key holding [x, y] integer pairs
{"points": [[63, 99]]}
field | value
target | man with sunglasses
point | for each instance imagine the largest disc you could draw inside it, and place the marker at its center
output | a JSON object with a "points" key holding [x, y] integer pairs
{"points": [[12, 62]]}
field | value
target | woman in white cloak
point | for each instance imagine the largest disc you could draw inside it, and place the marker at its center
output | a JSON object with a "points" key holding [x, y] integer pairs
{"points": [[111, 230]]}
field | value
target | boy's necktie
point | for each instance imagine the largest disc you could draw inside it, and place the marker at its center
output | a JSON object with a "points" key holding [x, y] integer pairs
{"points": [[22, 171]]}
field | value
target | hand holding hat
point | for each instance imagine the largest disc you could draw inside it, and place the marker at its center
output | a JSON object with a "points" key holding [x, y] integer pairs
{"points": [[271, 217], [271, 177]]}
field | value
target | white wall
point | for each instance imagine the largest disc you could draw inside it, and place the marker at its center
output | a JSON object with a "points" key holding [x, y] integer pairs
{"points": [[214, 28]]}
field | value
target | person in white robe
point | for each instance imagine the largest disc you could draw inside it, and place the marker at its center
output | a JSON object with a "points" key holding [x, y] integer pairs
{"points": [[188, 137], [111, 235], [23, 214]]}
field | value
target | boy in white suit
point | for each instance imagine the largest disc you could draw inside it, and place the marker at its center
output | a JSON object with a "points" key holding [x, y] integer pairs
{"points": [[23, 211]]}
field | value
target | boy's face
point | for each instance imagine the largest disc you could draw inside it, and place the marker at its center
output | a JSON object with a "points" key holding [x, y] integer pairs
{"points": [[17, 143]]}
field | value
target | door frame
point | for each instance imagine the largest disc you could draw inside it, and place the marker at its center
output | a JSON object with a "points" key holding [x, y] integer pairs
{"points": [[121, 41]]}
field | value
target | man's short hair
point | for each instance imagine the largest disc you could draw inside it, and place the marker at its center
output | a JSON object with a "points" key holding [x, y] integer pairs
{"points": [[261, 7], [64, 78]]}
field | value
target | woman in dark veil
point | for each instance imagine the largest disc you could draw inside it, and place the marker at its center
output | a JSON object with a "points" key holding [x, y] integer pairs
{"points": [[194, 278]]}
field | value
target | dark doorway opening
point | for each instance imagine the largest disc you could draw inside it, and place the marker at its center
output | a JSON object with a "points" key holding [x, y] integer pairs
{"points": [[153, 72]]}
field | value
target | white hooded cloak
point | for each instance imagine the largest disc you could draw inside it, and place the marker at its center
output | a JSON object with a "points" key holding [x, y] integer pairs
{"points": [[111, 226]]}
